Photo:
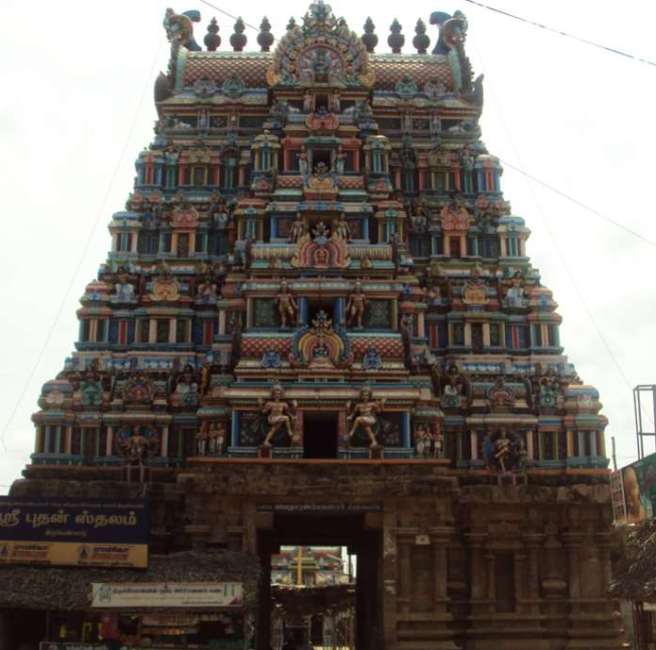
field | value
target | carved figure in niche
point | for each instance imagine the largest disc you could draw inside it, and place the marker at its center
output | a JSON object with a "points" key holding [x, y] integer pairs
{"points": [[321, 170], [363, 414], [124, 290], [504, 452], [547, 389], [205, 377], [453, 387], [515, 296], [186, 389], [475, 291], [341, 229], [201, 440], [91, 388], [279, 415], [371, 359], [467, 162], [138, 390], [340, 162], [137, 445], [434, 294], [297, 229], [271, 359], [165, 286], [455, 218], [355, 306], [320, 233], [500, 396], [423, 441], [419, 223], [287, 306], [216, 438], [207, 290]]}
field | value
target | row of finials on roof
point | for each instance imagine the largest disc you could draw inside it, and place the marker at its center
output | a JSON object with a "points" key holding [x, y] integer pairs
{"points": [[181, 24]]}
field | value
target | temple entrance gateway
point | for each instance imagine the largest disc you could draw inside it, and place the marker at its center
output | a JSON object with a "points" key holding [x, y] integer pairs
{"points": [[320, 431], [314, 525]]}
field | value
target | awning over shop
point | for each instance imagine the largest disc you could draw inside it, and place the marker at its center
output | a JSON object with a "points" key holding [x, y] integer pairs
{"points": [[69, 589]]}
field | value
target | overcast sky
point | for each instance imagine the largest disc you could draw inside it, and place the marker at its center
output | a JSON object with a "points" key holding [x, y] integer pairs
{"points": [[76, 107]]}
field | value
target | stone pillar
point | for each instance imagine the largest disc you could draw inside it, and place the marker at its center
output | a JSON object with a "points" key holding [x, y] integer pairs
{"points": [[490, 584], [439, 576], [530, 452], [533, 542], [109, 451], [404, 575], [473, 441], [164, 452]]}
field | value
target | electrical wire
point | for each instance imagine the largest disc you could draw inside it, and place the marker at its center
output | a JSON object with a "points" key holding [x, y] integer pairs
{"points": [[580, 204], [553, 30], [225, 13], [552, 236], [85, 250]]}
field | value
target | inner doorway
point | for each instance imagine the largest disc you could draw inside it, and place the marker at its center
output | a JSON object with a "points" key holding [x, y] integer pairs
{"points": [[320, 435], [320, 526]]}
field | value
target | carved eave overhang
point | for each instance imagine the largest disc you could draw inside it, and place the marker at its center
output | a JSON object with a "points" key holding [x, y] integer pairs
{"points": [[247, 395]]}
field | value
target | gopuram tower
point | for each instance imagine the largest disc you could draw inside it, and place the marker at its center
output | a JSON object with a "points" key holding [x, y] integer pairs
{"points": [[318, 324]]}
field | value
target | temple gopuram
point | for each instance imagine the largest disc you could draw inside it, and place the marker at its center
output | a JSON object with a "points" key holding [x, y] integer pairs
{"points": [[318, 325]]}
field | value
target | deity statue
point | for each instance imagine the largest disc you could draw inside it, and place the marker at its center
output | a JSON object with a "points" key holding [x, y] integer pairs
{"points": [[434, 294], [467, 162], [124, 290], [216, 438], [303, 164], [371, 359], [340, 162], [547, 389], [186, 389], [355, 306], [423, 441], [297, 229], [475, 291], [341, 228], [453, 387], [364, 414], [500, 396], [91, 388], [504, 452], [207, 289], [137, 446], [201, 441], [287, 306], [515, 295], [279, 415]]}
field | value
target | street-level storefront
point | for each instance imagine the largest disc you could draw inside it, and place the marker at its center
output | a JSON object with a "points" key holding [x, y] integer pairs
{"points": [[184, 600]]}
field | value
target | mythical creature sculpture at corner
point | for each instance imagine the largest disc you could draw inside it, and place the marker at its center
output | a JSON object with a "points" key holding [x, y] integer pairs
{"points": [[451, 42], [364, 414], [280, 415], [180, 29]]}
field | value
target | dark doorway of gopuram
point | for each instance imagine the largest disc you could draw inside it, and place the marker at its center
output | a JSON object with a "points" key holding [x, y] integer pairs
{"points": [[320, 434], [309, 537]]}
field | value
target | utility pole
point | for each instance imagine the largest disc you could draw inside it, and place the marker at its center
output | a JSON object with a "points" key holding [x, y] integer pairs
{"points": [[612, 446]]}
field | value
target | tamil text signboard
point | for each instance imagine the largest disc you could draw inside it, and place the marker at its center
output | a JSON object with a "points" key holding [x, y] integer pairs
{"points": [[133, 595], [74, 532]]}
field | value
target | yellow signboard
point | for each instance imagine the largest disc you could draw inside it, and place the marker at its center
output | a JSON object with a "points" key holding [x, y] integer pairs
{"points": [[74, 554]]}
